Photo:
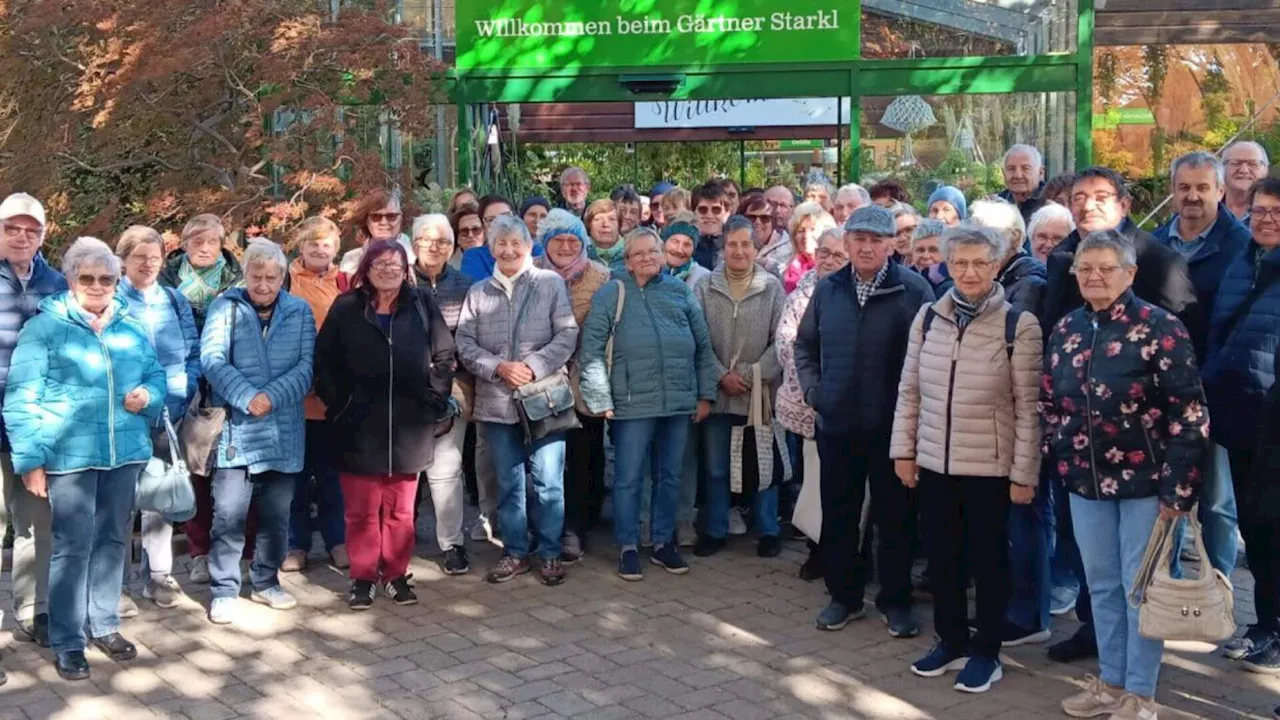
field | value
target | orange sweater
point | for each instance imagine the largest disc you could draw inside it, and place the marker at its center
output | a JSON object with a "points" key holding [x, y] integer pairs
{"points": [[319, 290]]}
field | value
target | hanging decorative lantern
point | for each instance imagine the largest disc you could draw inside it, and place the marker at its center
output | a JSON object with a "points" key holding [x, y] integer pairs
{"points": [[908, 114]]}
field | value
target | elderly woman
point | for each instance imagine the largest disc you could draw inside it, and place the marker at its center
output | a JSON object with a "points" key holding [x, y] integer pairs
{"points": [[742, 304], [926, 254], [83, 394], [566, 244], [256, 352], [758, 210], [647, 366], [1022, 276], [965, 434], [533, 211], [384, 365], [948, 205], [517, 328], [906, 218], [376, 217], [468, 228], [679, 237], [1126, 427], [794, 414], [433, 241], [166, 317], [313, 277], [462, 198], [791, 261], [1049, 226], [818, 190], [601, 221], [477, 260]]}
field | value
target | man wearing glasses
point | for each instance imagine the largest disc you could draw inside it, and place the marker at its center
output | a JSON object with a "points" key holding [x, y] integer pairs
{"points": [[1246, 163], [1100, 201], [25, 280], [575, 187], [711, 210]]}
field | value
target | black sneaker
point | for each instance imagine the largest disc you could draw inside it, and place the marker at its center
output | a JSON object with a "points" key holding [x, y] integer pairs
{"points": [[1265, 660], [901, 622], [1253, 639], [668, 558], [507, 569], [769, 546], [360, 597], [1081, 646], [1012, 635], [708, 546], [400, 592], [455, 561], [811, 569]]}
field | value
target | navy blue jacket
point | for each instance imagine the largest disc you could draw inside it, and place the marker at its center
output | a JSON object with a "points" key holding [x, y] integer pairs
{"points": [[1024, 281], [1027, 207], [1240, 366], [849, 358], [1225, 242], [17, 306]]}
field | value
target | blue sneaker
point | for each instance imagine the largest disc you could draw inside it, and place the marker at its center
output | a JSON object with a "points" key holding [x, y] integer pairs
{"points": [[836, 615], [1062, 600], [274, 597], [629, 566], [668, 558], [979, 674], [940, 660]]}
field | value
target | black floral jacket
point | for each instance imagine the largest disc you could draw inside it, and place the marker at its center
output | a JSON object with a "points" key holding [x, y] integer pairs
{"points": [[1124, 413]]}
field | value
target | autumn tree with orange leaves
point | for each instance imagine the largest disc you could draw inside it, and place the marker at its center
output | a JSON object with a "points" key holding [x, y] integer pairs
{"points": [[114, 112]]}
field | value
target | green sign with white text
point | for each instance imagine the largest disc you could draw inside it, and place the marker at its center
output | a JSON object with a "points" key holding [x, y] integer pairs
{"points": [[538, 35]]}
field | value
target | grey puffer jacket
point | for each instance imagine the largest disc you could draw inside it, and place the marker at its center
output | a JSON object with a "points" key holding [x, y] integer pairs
{"points": [[546, 338], [742, 331]]}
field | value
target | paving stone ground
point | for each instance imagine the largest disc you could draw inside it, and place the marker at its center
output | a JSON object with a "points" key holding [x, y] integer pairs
{"points": [[734, 639]]}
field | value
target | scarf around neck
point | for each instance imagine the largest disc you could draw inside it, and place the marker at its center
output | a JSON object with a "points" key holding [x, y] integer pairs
{"points": [[683, 271], [611, 255], [570, 272], [508, 284], [966, 311], [739, 280], [200, 285]]}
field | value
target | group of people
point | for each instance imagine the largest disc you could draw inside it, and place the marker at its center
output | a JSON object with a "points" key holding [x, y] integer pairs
{"points": [[985, 378]]}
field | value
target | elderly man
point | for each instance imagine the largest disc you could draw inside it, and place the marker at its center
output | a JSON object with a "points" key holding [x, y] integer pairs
{"points": [[25, 280], [783, 201], [1246, 162], [1100, 200], [1023, 179], [849, 353], [849, 198], [575, 186]]}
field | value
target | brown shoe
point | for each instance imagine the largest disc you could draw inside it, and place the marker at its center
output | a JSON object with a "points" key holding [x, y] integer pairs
{"points": [[295, 561], [507, 569], [1096, 700], [1132, 707], [551, 571]]}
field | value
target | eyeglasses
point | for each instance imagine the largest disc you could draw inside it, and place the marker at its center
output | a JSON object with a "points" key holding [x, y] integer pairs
{"points": [[642, 254], [467, 231], [963, 266], [13, 231], [106, 281], [825, 254], [1105, 271], [433, 242], [1263, 213], [1251, 164], [762, 218], [1101, 198], [907, 231], [708, 209], [384, 217], [388, 266]]}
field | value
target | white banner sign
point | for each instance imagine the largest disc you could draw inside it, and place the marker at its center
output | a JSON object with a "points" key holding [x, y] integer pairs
{"points": [[739, 113]]}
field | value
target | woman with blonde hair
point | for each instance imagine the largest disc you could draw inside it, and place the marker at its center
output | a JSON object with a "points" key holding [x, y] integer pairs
{"points": [[791, 256], [607, 248]]}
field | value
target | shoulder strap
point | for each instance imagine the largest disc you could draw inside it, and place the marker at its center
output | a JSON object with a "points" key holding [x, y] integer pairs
{"points": [[929, 315], [617, 318], [515, 326], [1011, 330]]}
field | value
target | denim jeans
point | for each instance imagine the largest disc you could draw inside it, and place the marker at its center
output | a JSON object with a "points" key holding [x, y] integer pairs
{"points": [[1031, 534], [662, 440], [690, 471], [233, 489], [86, 567], [1065, 556], [509, 454], [319, 480], [716, 437], [1217, 514], [1113, 536]]}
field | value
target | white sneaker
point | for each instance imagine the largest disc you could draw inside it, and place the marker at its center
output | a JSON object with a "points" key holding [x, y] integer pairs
{"points": [[164, 593], [199, 573], [737, 523], [482, 531], [222, 611]]}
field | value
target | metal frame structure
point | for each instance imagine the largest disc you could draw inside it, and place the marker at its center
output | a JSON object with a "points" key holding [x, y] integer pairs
{"points": [[1058, 72]]}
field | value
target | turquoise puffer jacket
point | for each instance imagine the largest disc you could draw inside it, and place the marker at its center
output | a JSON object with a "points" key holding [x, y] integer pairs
{"points": [[663, 362], [64, 404]]}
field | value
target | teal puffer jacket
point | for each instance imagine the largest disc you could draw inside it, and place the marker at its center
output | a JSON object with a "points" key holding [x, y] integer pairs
{"points": [[64, 404], [663, 363]]}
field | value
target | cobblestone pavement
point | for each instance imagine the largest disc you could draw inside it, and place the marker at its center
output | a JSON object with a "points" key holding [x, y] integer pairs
{"points": [[733, 639]]}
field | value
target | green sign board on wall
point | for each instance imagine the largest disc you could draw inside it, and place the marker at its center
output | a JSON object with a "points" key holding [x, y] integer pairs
{"points": [[545, 35]]}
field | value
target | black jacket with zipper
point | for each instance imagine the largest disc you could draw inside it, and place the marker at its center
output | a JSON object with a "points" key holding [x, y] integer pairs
{"points": [[385, 391]]}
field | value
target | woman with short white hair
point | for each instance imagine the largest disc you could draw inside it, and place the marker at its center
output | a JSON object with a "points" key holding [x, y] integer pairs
{"points": [[84, 389], [1049, 226], [517, 327], [256, 351], [1023, 277]]}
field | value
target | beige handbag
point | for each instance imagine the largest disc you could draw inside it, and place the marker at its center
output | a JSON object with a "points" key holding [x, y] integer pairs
{"points": [[807, 516], [1199, 609]]}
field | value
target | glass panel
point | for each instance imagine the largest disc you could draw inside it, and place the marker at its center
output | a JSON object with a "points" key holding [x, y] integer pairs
{"points": [[420, 15], [952, 28], [961, 139]]}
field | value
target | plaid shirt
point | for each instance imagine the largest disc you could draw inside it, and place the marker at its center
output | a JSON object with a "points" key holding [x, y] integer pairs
{"points": [[864, 289]]}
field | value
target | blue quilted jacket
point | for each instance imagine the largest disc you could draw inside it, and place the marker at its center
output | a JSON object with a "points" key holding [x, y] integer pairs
{"points": [[17, 306], [278, 363], [64, 404], [1240, 364], [165, 315]]}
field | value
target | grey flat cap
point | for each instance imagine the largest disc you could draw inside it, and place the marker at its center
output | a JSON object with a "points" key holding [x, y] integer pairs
{"points": [[873, 219]]}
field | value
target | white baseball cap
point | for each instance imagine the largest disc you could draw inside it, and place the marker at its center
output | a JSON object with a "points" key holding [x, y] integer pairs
{"points": [[19, 204]]}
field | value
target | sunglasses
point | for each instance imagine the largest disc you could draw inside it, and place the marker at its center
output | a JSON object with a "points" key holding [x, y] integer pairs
{"points": [[384, 217], [760, 218], [106, 281]]}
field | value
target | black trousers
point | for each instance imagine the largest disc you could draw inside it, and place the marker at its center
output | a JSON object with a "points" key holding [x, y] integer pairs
{"points": [[849, 465], [1261, 541], [966, 523], [584, 476]]}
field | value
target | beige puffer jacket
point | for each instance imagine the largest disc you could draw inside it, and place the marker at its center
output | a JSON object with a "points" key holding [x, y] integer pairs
{"points": [[993, 424]]}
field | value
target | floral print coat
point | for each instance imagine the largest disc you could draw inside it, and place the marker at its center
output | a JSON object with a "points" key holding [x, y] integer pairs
{"points": [[1124, 413]]}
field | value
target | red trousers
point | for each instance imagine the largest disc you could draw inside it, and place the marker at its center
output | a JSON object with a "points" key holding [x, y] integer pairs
{"points": [[380, 533], [198, 528]]}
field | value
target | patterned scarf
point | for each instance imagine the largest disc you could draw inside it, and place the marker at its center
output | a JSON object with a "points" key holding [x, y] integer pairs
{"points": [[200, 286], [682, 272], [966, 311], [610, 256], [570, 272]]}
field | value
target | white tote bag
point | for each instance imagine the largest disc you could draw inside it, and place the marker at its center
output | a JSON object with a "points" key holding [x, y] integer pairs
{"points": [[808, 513]]}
